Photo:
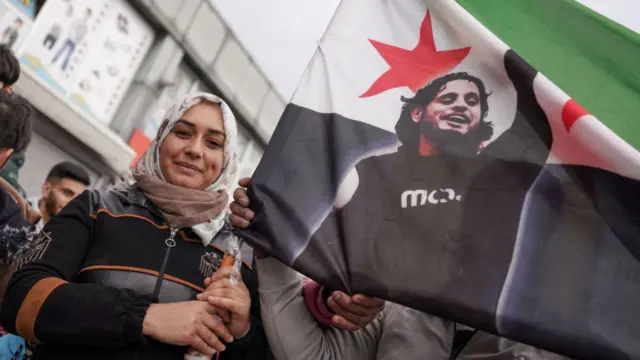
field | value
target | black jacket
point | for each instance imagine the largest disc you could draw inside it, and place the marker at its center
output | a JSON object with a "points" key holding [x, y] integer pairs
{"points": [[10, 213], [93, 274]]}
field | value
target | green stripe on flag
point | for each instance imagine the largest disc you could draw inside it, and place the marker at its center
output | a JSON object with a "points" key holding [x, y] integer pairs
{"points": [[593, 59]]}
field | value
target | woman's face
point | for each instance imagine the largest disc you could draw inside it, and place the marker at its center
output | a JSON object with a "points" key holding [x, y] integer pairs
{"points": [[192, 155]]}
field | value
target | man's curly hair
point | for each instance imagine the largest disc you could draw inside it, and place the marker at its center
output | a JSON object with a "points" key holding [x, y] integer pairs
{"points": [[408, 130]]}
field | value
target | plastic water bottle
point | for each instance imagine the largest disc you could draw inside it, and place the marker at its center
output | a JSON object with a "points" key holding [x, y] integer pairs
{"points": [[233, 258]]}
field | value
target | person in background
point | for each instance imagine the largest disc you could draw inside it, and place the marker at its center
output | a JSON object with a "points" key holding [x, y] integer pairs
{"points": [[15, 122], [116, 273], [11, 33], [15, 230], [11, 173], [64, 182], [78, 31], [9, 69], [9, 183], [9, 74]]}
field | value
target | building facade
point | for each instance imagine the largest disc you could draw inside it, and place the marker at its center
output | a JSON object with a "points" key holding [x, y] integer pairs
{"points": [[102, 73]]}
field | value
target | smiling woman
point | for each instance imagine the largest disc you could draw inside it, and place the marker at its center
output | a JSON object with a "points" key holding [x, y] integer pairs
{"points": [[192, 154], [123, 267]]}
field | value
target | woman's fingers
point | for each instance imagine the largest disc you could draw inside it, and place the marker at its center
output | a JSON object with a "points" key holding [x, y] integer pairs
{"points": [[224, 273], [228, 293], [231, 305], [241, 211], [244, 182], [238, 221], [217, 327], [224, 315], [222, 279], [206, 341], [241, 215], [223, 288], [241, 196]]}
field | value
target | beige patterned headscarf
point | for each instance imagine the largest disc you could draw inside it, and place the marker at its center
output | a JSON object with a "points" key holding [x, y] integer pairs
{"points": [[205, 211]]}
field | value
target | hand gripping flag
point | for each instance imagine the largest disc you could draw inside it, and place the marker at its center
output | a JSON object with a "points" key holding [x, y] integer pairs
{"points": [[424, 161]]}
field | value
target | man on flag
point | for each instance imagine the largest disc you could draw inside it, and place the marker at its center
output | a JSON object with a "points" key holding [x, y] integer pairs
{"points": [[423, 161]]}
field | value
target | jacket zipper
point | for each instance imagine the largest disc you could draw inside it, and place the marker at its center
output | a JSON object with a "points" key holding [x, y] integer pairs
{"points": [[170, 242]]}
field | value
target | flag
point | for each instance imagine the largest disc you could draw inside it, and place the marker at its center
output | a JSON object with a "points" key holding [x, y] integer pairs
{"points": [[424, 161]]}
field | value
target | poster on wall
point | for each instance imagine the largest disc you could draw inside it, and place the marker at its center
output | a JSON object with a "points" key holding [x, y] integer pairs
{"points": [[183, 84], [87, 52], [14, 25], [27, 7]]}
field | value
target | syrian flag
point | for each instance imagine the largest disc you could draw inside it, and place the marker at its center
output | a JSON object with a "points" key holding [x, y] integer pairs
{"points": [[422, 160]]}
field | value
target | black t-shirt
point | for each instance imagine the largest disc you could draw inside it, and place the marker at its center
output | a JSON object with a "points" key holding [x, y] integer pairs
{"points": [[441, 227]]}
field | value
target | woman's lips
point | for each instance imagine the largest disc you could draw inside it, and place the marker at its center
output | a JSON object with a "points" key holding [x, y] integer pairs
{"points": [[187, 168]]}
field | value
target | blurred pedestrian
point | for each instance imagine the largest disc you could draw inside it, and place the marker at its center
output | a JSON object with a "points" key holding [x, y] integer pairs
{"points": [[64, 182], [9, 175], [15, 231]]}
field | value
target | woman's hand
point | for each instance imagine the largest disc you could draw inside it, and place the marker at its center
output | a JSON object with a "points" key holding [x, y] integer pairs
{"points": [[186, 323], [233, 298], [241, 215]]}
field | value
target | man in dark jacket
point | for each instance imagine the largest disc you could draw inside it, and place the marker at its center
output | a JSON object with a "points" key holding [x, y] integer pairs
{"points": [[15, 122], [9, 170]]}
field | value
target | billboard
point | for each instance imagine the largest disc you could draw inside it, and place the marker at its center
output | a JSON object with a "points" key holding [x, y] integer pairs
{"points": [[87, 52], [14, 25], [27, 7]]}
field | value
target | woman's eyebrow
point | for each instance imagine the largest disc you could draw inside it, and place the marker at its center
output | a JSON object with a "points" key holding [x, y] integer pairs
{"points": [[185, 122], [209, 131], [216, 132]]}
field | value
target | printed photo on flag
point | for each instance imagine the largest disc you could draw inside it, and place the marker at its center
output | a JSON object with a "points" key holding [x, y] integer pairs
{"points": [[424, 161]]}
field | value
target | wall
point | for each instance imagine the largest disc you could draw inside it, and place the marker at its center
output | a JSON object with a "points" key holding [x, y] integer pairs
{"points": [[204, 43]]}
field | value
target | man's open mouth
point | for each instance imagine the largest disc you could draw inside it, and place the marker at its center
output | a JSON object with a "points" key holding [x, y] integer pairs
{"points": [[461, 119]]}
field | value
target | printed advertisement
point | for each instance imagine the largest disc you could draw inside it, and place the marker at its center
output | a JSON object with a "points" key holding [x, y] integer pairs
{"points": [[87, 51], [14, 26], [28, 7]]}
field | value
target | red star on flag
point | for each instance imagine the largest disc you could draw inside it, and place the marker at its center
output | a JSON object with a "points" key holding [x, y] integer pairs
{"points": [[414, 68], [571, 112]]}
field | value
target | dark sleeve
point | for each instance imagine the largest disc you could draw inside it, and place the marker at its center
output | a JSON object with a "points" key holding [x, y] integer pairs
{"points": [[530, 137], [254, 346], [10, 213], [43, 304]]}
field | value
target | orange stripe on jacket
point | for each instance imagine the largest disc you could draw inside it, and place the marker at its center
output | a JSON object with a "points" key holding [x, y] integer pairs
{"points": [[143, 271], [31, 305], [129, 215]]}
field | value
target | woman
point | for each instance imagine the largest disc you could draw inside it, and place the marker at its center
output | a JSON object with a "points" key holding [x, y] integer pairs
{"points": [[116, 274]]}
